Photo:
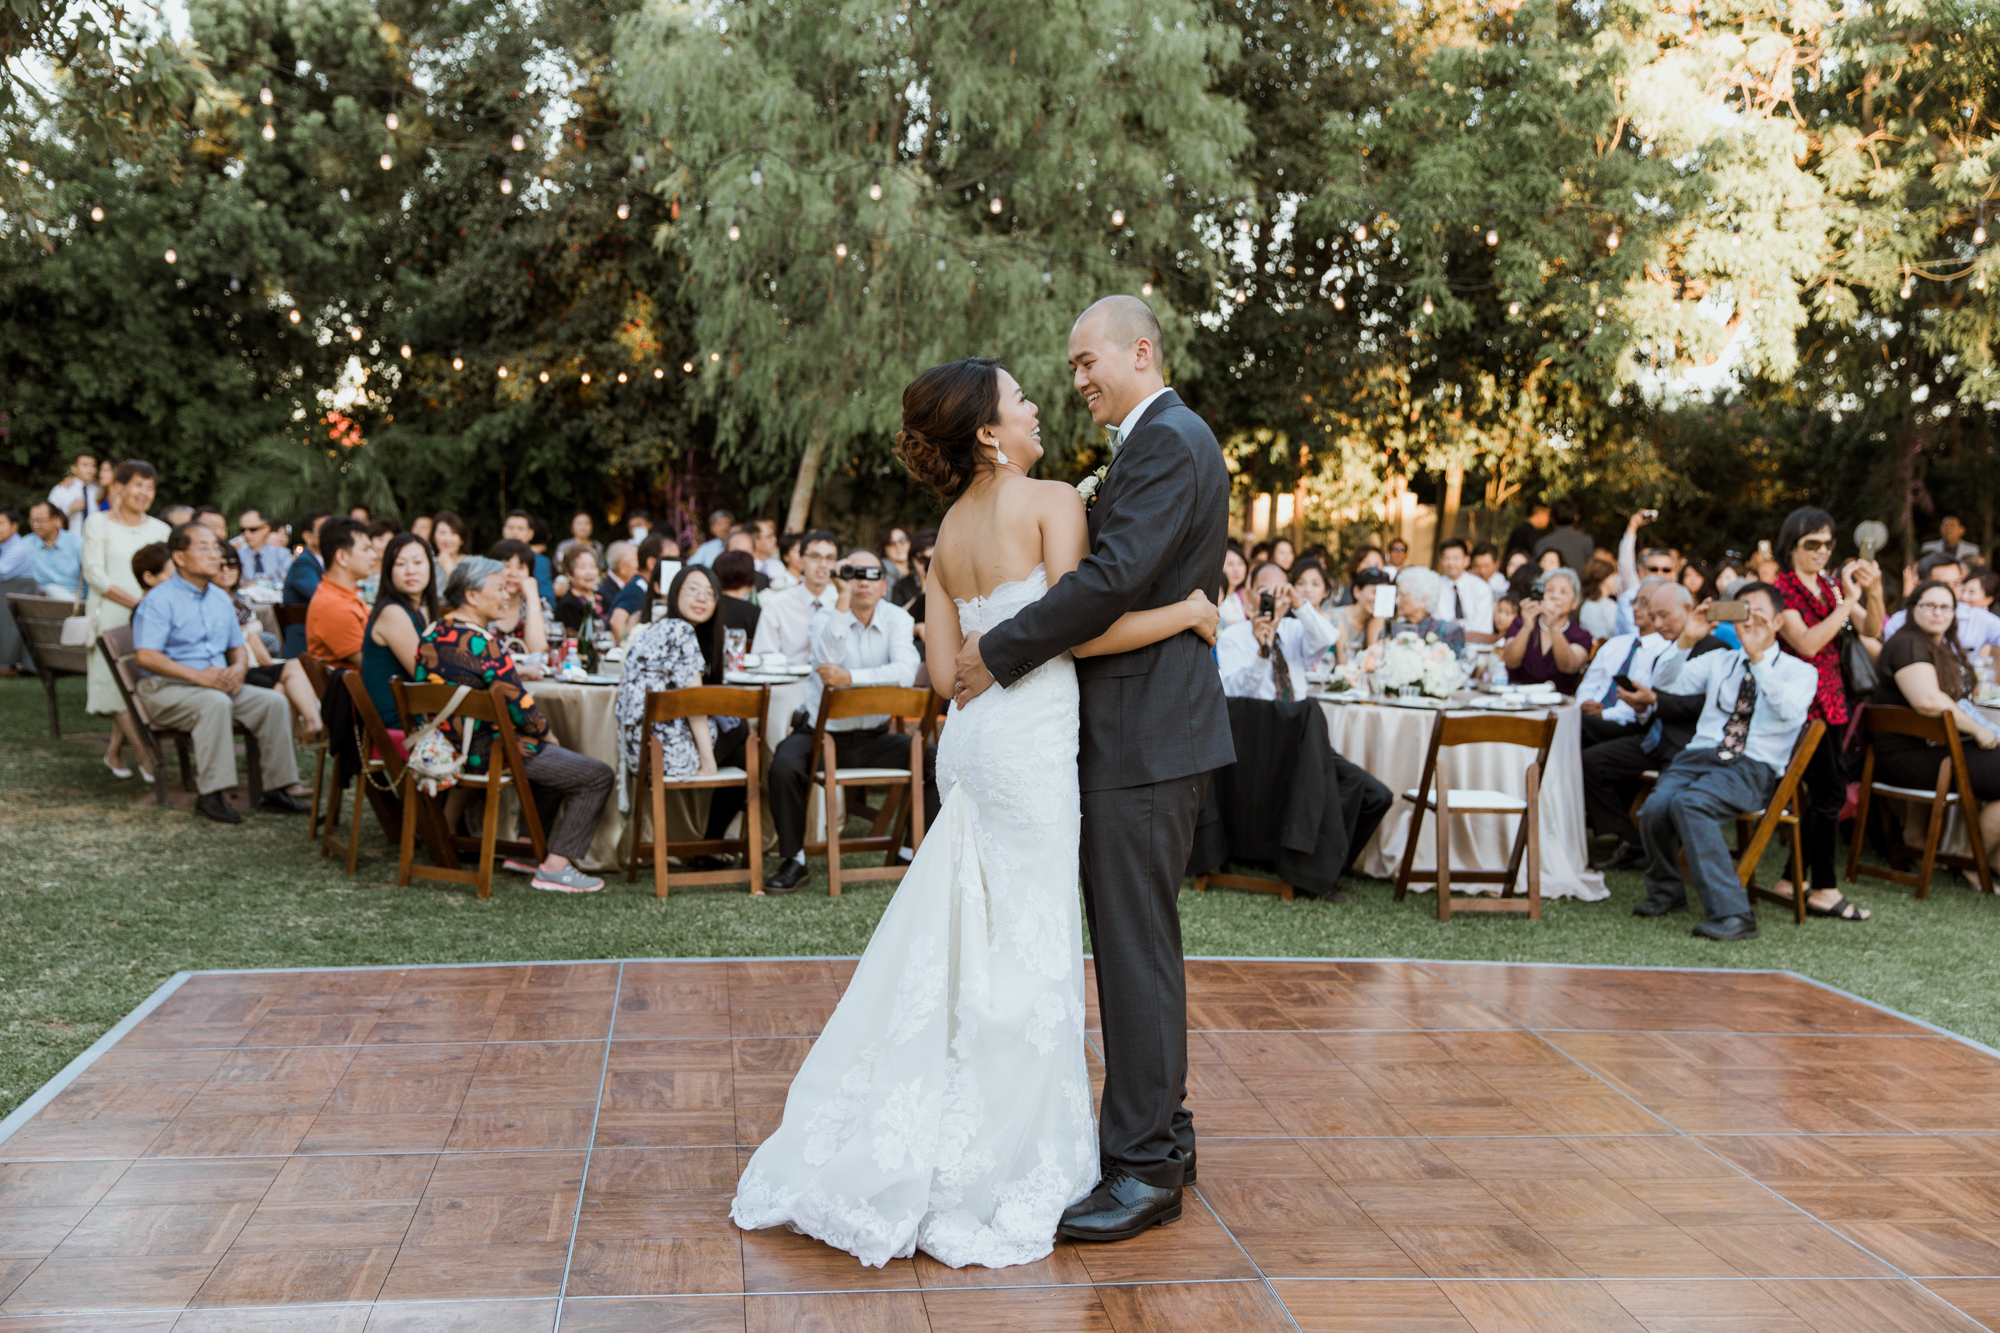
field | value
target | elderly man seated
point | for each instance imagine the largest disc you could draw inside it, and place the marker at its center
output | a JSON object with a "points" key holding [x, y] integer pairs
{"points": [[1628, 658], [1417, 593], [191, 660], [1266, 656], [1755, 700]]}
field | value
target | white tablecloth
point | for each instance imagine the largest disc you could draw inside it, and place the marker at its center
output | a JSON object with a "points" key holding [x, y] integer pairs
{"points": [[1391, 743]]}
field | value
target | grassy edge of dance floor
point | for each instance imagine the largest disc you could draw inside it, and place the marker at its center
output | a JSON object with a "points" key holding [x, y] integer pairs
{"points": [[106, 895]]}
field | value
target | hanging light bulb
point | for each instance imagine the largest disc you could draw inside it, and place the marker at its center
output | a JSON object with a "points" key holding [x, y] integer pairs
{"points": [[519, 142], [97, 212], [1600, 310], [1979, 282], [940, 265], [735, 232], [688, 366], [294, 317], [392, 122], [586, 377], [503, 372], [1118, 215], [875, 188], [1339, 301], [757, 172], [840, 250], [1611, 241], [387, 161], [1427, 305], [1145, 289], [1513, 307], [1735, 239], [354, 333], [1492, 236], [458, 363], [506, 185], [659, 374], [1860, 236], [1909, 284], [543, 377], [1047, 276], [172, 258], [1243, 226], [270, 131], [621, 377], [264, 94], [994, 206], [715, 356], [1360, 234], [1242, 296], [1979, 234], [624, 210], [405, 349]]}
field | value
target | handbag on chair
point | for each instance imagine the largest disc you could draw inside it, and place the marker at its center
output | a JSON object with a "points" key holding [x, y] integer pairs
{"points": [[79, 630], [433, 758]]}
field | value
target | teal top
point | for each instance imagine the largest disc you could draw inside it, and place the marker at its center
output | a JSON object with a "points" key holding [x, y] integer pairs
{"points": [[378, 664]]}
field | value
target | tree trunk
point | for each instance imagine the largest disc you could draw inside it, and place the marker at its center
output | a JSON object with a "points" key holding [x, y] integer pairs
{"points": [[1454, 490], [802, 489], [1299, 501]]}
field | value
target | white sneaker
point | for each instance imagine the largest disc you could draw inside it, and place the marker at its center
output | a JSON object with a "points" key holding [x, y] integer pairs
{"points": [[567, 880]]}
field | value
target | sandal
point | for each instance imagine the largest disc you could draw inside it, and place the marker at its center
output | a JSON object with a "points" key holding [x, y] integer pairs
{"points": [[1842, 910]]}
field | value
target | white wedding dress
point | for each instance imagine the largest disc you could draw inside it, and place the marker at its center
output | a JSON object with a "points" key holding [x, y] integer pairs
{"points": [[947, 1105]]}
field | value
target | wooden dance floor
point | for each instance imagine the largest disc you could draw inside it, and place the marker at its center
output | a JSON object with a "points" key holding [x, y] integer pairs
{"points": [[1384, 1145]]}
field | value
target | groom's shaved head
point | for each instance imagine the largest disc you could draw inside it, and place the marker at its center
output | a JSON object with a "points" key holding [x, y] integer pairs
{"points": [[1127, 319]]}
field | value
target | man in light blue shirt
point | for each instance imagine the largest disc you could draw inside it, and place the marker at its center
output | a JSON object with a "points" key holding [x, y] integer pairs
{"points": [[263, 553], [17, 559], [719, 524], [192, 662], [1755, 703], [58, 565]]}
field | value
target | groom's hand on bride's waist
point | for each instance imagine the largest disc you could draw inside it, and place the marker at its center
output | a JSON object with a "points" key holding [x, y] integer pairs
{"points": [[973, 677]]}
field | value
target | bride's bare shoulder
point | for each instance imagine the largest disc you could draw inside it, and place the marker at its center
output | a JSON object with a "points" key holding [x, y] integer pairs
{"points": [[1058, 497]]}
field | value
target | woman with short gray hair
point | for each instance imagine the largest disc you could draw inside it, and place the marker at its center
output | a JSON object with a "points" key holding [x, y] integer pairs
{"points": [[1417, 593], [1545, 645]]}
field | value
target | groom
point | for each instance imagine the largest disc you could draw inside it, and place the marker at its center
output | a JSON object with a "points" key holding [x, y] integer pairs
{"points": [[1154, 726]]}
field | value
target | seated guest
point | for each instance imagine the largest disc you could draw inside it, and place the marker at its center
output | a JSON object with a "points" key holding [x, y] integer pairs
{"points": [[859, 640], [17, 563], [405, 609], [1755, 701], [451, 539], [680, 651], [266, 559], [338, 615], [771, 571], [192, 661], [1486, 564], [379, 532], [1309, 581], [460, 650], [523, 527], [1417, 593], [1978, 627], [637, 524], [1266, 657], [57, 569], [1544, 646], [1606, 715], [1358, 625], [580, 528], [719, 524], [621, 565], [736, 572], [1923, 666], [524, 616], [584, 602], [1466, 598], [785, 623], [1612, 768], [264, 666], [628, 609], [422, 526], [1368, 557], [1235, 582], [1978, 591], [1599, 612], [1505, 609], [302, 577], [920, 555]]}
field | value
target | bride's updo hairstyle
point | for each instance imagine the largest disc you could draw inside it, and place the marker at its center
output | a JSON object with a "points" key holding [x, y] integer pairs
{"points": [[943, 409]]}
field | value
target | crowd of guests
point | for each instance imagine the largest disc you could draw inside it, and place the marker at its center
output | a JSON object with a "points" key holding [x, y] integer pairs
{"points": [[1696, 677]]}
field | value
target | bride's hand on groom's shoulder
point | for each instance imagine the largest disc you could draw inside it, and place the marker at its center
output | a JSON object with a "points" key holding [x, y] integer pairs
{"points": [[1203, 615]]}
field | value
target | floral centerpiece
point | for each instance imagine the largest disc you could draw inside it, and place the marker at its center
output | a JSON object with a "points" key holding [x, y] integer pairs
{"points": [[1428, 664]]}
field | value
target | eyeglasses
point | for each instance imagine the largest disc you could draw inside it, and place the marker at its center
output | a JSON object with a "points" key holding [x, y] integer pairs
{"points": [[1816, 544], [1664, 569], [256, 527], [1946, 607]]}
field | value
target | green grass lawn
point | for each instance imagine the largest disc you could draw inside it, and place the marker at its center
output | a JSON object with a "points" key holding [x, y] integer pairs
{"points": [[106, 896]]}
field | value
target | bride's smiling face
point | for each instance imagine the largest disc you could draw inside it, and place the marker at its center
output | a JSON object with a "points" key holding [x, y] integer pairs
{"points": [[1018, 432]]}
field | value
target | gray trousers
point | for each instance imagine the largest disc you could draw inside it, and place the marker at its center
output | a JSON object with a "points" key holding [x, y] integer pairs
{"points": [[577, 783], [12, 651], [207, 714], [1694, 795], [1136, 842]]}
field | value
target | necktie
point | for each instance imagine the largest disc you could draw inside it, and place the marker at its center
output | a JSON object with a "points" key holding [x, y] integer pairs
{"points": [[1281, 671], [1736, 731], [1611, 695], [1457, 607]]}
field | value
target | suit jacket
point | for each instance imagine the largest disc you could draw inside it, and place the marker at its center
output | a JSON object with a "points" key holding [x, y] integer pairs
{"points": [[1157, 532], [1282, 804], [301, 582]]}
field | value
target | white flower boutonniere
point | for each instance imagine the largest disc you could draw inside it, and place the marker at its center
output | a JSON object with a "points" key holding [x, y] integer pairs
{"points": [[1087, 488]]}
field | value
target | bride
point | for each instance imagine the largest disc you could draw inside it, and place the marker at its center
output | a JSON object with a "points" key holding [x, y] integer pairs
{"points": [[946, 1107]]}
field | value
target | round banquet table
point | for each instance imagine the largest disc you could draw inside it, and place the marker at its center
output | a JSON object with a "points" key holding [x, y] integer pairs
{"points": [[1391, 742]]}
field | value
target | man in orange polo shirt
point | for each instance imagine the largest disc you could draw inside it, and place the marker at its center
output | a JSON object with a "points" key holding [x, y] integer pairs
{"points": [[337, 618]]}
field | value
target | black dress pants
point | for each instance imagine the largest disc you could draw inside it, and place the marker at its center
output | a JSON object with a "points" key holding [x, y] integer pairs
{"points": [[792, 775], [1611, 779], [725, 803], [1364, 801], [1136, 842], [1597, 730]]}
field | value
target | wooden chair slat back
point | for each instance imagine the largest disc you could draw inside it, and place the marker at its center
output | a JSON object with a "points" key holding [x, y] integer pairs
{"points": [[1887, 720], [315, 675], [1534, 733], [372, 723], [289, 616], [420, 700], [875, 701], [1802, 753], [41, 620], [707, 701]]}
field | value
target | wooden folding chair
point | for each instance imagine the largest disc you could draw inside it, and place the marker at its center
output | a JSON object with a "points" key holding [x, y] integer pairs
{"points": [[1435, 792], [910, 707], [744, 702], [505, 768], [1755, 827], [316, 677], [381, 772], [116, 645], [1954, 788], [40, 620]]}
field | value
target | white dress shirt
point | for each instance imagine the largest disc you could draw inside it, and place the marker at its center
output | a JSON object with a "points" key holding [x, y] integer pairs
{"points": [[1498, 583], [1608, 663], [785, 623], [66, 493], [882, 652], [1475, 603], [1977, 627], [1304, 635], [774, 569], [1131, 420], [1785, 689]]}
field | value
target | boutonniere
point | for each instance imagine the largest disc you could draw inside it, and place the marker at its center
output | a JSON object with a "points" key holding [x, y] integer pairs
{"points": [[1087, 488]]}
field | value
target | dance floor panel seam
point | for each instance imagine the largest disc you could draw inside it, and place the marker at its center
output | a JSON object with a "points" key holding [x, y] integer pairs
{"points": [[1386, 1144]]}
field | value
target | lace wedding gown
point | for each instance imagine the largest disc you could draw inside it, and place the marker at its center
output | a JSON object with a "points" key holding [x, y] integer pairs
{"points": [[946, 1107]]}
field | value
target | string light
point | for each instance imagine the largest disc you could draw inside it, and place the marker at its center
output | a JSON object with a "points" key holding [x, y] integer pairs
{"points": [[503, 372], [735, 232], [354, 333], [940, 261], [1909, 282], [458, 363], [995, 206], [172, 258], [1600, 308], [1611, 241], [1979, 234], [506, 185], [1047, 276], [875, 188], [1860, 236], [1513, 307], [621, 377], [518, 142], [757, 172], [295, 317], [1427, 305], [840, 250], [97, 212], [1493, 236], [1145, 289], [1735, 238], [1339, 301], [715, 356], [688, 366], [659, 374], [1979, 282], [264, 94], [405, 349], [1243, 226], [270, 131], [387, 161], [391, 121], [1360, 234], [1118, 214], [544, 377], [624, 210], [586, 377]]}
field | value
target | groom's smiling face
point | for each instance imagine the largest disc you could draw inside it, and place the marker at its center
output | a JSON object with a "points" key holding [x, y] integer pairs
{"points": [[1114, 354]]}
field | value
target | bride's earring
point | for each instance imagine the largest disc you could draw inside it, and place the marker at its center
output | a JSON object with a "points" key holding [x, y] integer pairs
{"points": [[1000, 455]]}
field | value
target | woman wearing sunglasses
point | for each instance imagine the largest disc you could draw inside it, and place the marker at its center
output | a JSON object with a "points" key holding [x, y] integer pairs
{"points": [[1817, 608]]}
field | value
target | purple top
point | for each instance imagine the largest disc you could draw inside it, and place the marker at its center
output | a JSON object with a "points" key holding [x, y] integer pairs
{"points": [[1539, 665]]}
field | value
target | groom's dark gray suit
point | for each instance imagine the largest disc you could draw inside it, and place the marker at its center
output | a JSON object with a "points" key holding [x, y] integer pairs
{"points": [[1154, 725]]}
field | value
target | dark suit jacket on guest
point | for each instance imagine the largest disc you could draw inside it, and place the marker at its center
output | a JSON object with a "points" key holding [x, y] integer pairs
{"points": [[1157, 532], [301, 582]]}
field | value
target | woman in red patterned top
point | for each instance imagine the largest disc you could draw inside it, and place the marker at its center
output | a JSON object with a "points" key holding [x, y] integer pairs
{"points": [[1816, 609]]}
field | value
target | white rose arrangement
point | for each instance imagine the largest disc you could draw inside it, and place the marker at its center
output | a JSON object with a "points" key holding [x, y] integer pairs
{"points": [[1428, 663]]}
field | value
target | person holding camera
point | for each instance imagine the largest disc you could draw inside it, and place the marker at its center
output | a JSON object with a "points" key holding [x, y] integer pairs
{"points": [[1544, 645], [860, 640], [1258, 657]]}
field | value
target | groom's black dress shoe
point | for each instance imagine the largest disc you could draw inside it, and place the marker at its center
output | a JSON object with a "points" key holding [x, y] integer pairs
{"points": [[1119, 1209]]}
